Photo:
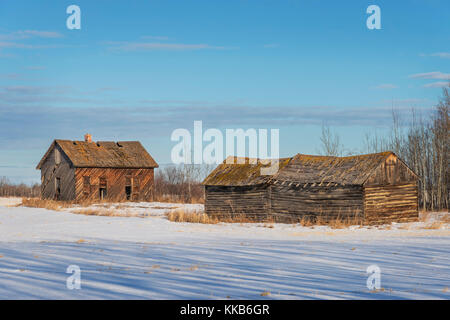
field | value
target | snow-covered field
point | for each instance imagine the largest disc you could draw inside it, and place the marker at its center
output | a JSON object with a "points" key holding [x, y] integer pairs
{"points": [[149, 257]]}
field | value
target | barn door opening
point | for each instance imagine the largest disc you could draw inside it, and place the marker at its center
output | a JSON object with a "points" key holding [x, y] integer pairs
{"points": [[128, 188], [102, 191], [128, 192], [58, 189]]}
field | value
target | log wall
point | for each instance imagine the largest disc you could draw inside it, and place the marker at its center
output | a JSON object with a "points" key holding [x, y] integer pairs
{"points": [[228, 201], [334, 202], [391, 203]]}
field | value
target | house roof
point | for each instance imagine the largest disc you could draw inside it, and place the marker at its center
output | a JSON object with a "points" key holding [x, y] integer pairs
{"points": [[312, 169], [301, 169], [240, 171], [103, 154]]}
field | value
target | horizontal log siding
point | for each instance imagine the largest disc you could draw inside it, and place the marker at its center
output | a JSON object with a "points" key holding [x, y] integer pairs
{"points": [[311, 202], [228, 201], [397, 203], [116, 182]]}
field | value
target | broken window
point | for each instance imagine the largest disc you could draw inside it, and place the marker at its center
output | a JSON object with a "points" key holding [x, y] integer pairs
{"points": [[57, 156], [86, 185], [102, 188]]}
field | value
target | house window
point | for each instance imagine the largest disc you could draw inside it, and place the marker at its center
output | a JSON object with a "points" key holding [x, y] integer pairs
{"points": [[86, 185], [103, 188], [57, 156]]}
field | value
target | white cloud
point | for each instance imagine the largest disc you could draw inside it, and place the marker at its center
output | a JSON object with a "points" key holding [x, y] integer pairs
{"points": [[439, 84], [26, 34], [431, 75], [151, 46], [441, 55]]}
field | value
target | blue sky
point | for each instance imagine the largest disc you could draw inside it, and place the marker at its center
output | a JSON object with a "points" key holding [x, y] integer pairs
{"points": [[137, 70]]}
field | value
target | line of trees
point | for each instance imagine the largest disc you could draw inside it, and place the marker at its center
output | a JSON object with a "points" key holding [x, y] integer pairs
{"points": [[9, 189], [181, 183], [423, 144]]}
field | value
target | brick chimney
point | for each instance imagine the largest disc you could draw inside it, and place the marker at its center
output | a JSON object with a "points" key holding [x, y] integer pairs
{"points": [[87, 137]]}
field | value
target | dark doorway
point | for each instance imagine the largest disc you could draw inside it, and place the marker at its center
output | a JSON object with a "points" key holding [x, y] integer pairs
{"points": [[58, 189], [128, 192], [103, 194], [102, 188]]}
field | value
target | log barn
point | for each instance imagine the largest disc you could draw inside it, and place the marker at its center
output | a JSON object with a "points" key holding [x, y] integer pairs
{"points": [[373, 188], [91, 171]]}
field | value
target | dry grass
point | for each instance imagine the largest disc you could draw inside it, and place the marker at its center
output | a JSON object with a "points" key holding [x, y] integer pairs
{"points": [[181, 215], [334, 223], [45, 204], [265, 293], [434, 225], [104, 212], [194, 267], [167, 198]]}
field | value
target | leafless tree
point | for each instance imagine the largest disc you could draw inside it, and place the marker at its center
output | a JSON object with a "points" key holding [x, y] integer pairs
{"points": [[330, 142]]}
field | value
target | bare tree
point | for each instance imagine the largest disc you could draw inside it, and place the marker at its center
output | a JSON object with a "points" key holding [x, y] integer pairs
{"points": [[331, 145]]}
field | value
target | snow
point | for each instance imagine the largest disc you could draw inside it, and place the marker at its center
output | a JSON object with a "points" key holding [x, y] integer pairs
{"points": [[136, 209], [148, 257], [10, 201]]}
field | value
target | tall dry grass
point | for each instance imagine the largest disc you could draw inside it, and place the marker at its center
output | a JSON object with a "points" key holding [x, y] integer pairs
{"points": [[181, 215], [45, 204]]}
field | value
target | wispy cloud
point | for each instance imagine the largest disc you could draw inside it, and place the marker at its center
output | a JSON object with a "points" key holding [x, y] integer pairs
{"points": [[26, 34], [39, 33], [152, 46], [435, 75], [443, 55], [431, 75], [438, 84]]}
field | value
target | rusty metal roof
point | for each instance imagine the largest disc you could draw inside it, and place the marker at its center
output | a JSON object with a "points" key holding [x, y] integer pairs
{"points": [[302, 170], [103, 154], [240, 171]]}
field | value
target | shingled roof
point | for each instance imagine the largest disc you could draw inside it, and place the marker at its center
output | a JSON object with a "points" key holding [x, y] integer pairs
{"points": [[312, 169], [103, 154], [303, 170], [240, 171]]}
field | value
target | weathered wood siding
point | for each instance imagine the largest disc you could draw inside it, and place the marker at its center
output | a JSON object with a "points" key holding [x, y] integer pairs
{"points": [[228, 200], [140, 180], [392, 172], [51, 170], [391, 194], [295, 203], [391, 203]]}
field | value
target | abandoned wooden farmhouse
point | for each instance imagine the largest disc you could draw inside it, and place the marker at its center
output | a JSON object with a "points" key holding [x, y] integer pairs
{"points": [[87, 170], [373, 188]]}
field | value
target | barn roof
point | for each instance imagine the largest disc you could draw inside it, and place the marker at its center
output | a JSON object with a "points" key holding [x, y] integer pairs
{"points": [[303, 170], [233, 173], [103, 154], [351, 170]]}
